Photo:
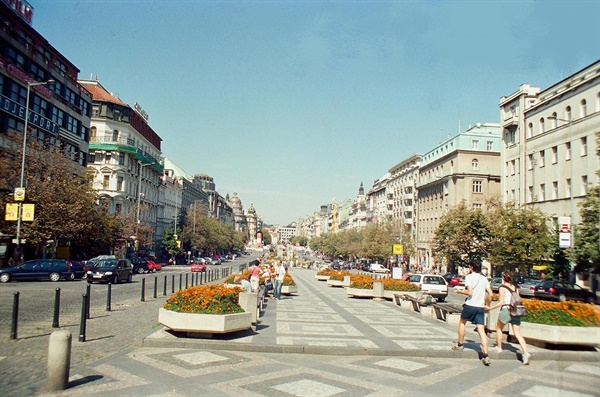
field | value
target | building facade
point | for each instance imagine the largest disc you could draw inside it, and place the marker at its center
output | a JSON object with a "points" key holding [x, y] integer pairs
{"points": [[549, 143], [403, 186], [464, 167]]}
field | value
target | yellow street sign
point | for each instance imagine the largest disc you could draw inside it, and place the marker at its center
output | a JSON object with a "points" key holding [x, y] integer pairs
{"points": [[398, 249], [12, 212], [28, 212]]}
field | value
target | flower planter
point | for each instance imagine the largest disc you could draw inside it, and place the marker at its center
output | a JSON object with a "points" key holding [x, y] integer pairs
{"points": [[320, 277], [204, 325], [560, 334], [289, 289], [335, 283], [359, 292]]}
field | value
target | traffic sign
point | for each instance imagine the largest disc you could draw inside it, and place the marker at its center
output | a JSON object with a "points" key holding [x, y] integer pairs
{"points": [[19, 194]]}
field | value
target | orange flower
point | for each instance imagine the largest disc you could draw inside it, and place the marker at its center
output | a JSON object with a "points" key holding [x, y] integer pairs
{"points": [[209, 299]]}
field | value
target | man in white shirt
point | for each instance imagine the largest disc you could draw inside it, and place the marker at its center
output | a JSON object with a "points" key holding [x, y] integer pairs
{"points": [[279, 276], [476, 285]]}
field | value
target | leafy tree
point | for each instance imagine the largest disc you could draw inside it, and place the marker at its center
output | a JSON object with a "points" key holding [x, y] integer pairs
{"points": [[300, 240], [586, 253], [462, 234], [267, 239], [378, 240], [170, 244]]}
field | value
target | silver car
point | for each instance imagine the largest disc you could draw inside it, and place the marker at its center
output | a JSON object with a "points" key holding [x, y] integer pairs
{"points": [[527, 289]]}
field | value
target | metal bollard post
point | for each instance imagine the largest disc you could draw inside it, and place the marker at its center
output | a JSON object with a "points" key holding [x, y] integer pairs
{"points": [[172, 283], [186, 280], [197, 278], [108, 297], [180, 281], [59, 360], [155, 286], [165, 287], [88, 293], [56, 308], [192, 274], [83, 315], [15, 316], [143, 289]]}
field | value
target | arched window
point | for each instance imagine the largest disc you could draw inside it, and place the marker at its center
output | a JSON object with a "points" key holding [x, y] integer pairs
{"points": [[553, 120], [529, 130], [542, 126], [568, 113], [583, 108], [93, 131], [475, 165], [115, 136]]}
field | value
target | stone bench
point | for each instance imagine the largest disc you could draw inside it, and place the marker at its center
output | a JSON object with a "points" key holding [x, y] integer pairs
{"points": [[416, 304], [447, 312]]}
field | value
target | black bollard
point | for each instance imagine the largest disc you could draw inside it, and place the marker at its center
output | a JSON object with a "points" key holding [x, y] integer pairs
{"points": [[15, 316], [197, 278], [88, 293], [143, 289], [165, 287], [56, 308], [108, 297], [180, 281], [186, 280], [155, 286], [172, 283], [83, 316]]}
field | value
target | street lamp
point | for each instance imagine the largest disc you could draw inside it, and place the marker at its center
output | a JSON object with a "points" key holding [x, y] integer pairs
{"points": [[21, 186]]}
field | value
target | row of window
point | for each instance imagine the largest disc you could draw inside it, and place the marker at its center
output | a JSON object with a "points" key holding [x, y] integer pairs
{"points": [[539, 159], [541, 194], [554, 119]]}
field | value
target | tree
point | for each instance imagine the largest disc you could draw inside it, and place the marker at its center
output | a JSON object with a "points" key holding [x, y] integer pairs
{"points": [[300, 240], [378, 240], [586, 253], [462, 234]]}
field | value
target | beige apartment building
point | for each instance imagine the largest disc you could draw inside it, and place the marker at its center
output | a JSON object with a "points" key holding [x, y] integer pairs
{"points": [[549, 143]]}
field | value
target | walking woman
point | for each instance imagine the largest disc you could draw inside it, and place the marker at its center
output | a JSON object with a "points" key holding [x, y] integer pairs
{"points": [[504, 317]]}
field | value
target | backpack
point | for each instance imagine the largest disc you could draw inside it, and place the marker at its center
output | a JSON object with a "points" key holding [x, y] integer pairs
{"points": [[515, 307]]}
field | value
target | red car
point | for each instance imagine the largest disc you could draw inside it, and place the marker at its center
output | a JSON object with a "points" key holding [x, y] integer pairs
{"points": [[198, 267], [153, 266]]}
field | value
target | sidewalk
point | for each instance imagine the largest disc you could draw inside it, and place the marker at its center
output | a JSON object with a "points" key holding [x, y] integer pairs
{"points": [[316, 343]]}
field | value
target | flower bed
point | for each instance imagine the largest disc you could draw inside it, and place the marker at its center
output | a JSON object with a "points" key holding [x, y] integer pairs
{"points": [[360, 281], [325, 272], [208, 299], [569, 313], [245, 274], [399, 285], [339, 276]]}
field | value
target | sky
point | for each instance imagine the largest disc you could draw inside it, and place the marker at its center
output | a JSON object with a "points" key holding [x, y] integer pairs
{"points": [[292, 104]]}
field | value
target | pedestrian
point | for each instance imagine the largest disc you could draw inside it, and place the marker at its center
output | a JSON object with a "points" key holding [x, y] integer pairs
{"points": [[504, 317], [473, 310], [255, 272], [279, 276], [245, 284]]}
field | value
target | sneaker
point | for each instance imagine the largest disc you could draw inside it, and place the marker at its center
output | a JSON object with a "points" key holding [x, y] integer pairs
{"points": [[498, 349], [485, 361], [457, 347], [526, 358]]}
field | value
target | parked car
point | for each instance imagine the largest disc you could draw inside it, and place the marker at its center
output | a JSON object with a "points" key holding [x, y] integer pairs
{"points": [[431, 284], [212, 261], [366, 267], [43, 269], [452, 279], [556, 290], [527, 289], [140, 266], [154, 267], [110, 270], [379, 268], [198, 267], [495, 283]]}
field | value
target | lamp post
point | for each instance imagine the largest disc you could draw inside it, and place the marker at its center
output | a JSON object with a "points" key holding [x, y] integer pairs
{"points": [[21, 185]]}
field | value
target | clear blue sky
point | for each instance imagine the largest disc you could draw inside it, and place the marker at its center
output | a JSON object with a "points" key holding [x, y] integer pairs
{"points": [[293, 103]]}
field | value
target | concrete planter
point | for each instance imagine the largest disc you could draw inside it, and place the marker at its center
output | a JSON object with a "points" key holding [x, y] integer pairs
{"points": [[289, 289], [561, 335], [204, 325], [319, 277], [359, 293], [335, 283]]}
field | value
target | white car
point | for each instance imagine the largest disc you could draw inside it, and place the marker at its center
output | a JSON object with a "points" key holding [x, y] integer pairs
{"points": [[377, 268], [431, 284]]}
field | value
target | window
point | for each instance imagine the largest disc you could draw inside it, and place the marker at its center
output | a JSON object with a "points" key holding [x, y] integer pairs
{"points": [[93, 134], [583, 105], [568, 113], [489, 146], [568, 151], [554, 155], [529, 130], [542, 126], [530, 162], [553, 120], [568, 188], [583, 142], [475, 165], [477, 187], [115, 136], [542, 158], [105, 182], [529, 194], [554, 190], [58, 116], [92, 157], [121, 158], [542, 192], [40, 106], [120, 184], [18, 93], [512, 167], [477, 206], [584, 184], [475, 144]]}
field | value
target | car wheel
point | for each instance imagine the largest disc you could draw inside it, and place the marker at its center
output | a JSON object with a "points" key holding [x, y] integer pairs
{"points": [[130, 277], [153, 270], [54, 276], [4, 278], [562, 297], [71, 276], [140, 270], [115, 279], [590, 299]]}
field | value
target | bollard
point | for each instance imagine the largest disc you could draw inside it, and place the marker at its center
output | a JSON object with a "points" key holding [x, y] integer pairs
{"points": [[197, 278], [15, 316], [108, 297], [186, 280], [172, 283], [143, 289], [59, 360], [155, 286], [165, 287], [88, 293], [82, 323], [180, 281], [56, 308]]}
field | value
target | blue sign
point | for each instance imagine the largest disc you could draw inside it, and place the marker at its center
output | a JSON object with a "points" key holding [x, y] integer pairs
{"points": [[15, 109]]}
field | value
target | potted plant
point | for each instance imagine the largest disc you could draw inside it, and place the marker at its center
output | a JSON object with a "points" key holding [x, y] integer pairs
{"points": [[288, 286], [205, 310], [392, 287], [337, 278], [324, 274], [361, 286]]}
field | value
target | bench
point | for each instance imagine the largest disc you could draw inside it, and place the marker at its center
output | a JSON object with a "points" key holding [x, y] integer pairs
{"points": [[447, 312], [415, 303]]}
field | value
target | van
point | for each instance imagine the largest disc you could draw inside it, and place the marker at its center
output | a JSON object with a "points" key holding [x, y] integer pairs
{"points": [[431, 284]]}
